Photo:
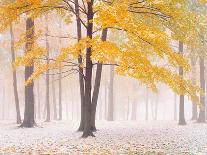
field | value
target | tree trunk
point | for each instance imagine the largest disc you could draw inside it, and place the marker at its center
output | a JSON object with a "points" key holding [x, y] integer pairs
{"points": [[54, 98], [38, 100], [60, 78], [88, 77], [201, 117], [147, 104], [156, 105], [81, 79], [47, 75], [29, 120], [111, 95], [175, 107], [16, 97], [181, 106], [97, 86], [194, 106], [134, 104]]}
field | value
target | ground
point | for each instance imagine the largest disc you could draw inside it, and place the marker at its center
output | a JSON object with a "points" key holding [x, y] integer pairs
{"points": [[153, 137]]}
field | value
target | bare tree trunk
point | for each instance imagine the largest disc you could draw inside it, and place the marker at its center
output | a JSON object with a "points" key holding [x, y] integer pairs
{"points": [[156, 105], [38, 100], [60, 78], [29, 120], [88, 77], [3, 103], [47, 75], [105, 96], [81, 79], [194, 106], [97, 86], [127, 112], [175, 107], [147, 104], [54, 98], [181, 106], [201, 117], [134, 104], [111, 95], [16, 97]]}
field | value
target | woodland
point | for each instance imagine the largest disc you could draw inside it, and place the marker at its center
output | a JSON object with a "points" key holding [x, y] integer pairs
{"points": [[99, 67]]}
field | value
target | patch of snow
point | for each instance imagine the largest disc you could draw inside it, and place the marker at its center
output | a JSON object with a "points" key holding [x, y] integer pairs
{"points": [[120, 137]]}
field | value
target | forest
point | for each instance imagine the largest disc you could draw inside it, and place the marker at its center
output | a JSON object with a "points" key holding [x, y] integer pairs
{"points": [[106, 77]]}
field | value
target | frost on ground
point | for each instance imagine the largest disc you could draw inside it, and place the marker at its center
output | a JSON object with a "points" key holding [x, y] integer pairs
{"points": [[153, 137]]}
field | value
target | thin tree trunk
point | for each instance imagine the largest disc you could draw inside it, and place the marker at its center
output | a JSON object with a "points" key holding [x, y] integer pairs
{"points": [[81, 79], [29, 120], [105, 96], [147, 105], [111, 95], [175, 107], [201, 117], [88, 77], [97, 86], [181, 106], [54, 98], [60, 78], [156, 105], [194, 106], [3, 103], [38, 100], [16, 97], [134, 104], [127, 113], [47, 75]]}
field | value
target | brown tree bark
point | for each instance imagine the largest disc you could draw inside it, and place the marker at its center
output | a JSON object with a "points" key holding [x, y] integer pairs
{"points": [[201, 117], [97, 87], [81, 79], [181, 105], [16, 96], [29, 120], [88, 75]]}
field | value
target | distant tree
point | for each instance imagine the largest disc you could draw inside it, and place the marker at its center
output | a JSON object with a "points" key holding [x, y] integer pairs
{"points": [[47, 80], [201, 116], [111, 95], [181, 104], [16, 97], [147, 105], [194, 106]]}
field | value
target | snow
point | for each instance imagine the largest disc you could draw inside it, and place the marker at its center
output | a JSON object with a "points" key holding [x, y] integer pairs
{"points": [[60, 137]]}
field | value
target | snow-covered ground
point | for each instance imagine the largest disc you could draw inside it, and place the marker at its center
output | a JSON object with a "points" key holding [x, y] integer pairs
{"points": [[151, 137]]}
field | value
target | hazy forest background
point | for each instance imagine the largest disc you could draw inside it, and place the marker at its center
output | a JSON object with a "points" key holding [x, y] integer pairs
{"points": [[127, 76]]}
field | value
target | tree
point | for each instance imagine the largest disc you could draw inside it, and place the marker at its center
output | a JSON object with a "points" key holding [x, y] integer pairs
{"points": [[16, 97], [47, 80], [194, 106], [54, 97], [201, 116], [175, 107], [147, 105], [29, 120], [181, 104], [144, 39], [111, 95]]}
